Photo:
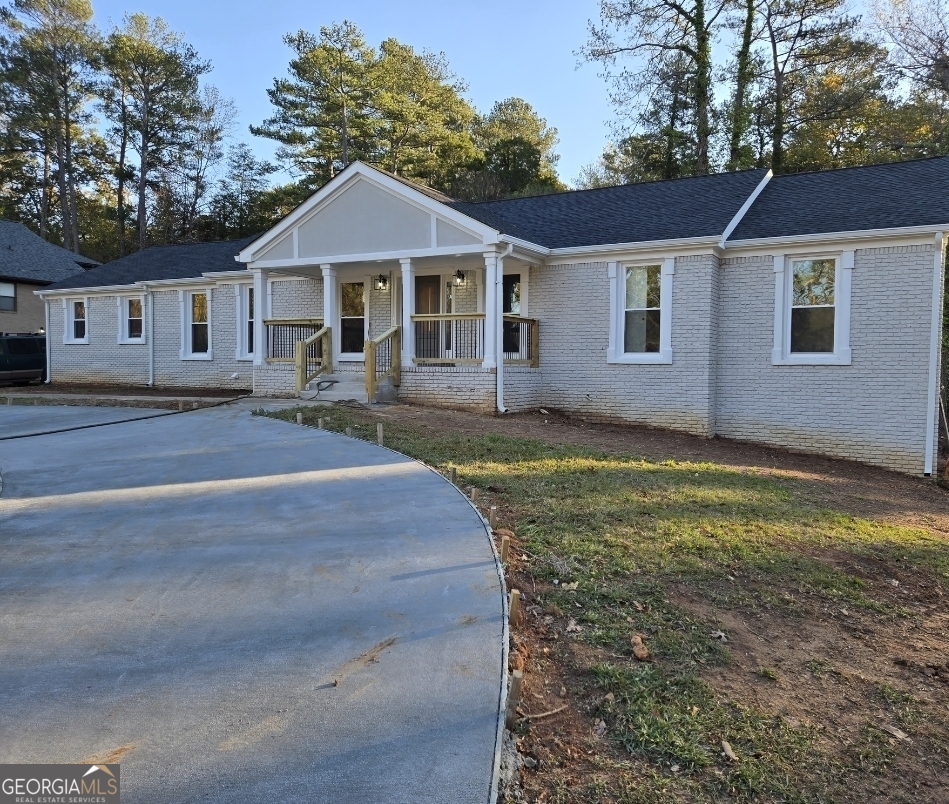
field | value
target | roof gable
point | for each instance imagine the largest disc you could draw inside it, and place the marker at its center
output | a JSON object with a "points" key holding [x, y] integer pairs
{"points": [[362, 213]]}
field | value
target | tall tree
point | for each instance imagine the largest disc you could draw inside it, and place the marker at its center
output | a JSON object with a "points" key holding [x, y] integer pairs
{"points": [[516, 118], [647, 31], [50, 74], [919, 32], [740, 118], [158, 72], [322, 119], [236, 206]]}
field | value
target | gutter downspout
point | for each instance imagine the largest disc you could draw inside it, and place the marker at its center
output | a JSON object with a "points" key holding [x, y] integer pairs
{"points": [[932, 434], [150, 301], [49, 348], [499, 337]]}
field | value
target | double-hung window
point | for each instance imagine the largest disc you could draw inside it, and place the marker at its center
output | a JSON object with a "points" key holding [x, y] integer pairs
{"points": [[7, 297], [641, 323], [131, 319], [196, 325], [812, 309], [75, 329]]}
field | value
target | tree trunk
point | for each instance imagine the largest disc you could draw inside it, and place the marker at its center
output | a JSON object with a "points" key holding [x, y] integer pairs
{"points": [[120, 199], [61, 185], [44, 198], [703, 89], [739, 114], [777, 130], [143, 177]]}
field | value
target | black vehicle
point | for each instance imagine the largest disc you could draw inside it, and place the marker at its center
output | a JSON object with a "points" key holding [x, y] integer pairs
{"points": [[22, 358]]}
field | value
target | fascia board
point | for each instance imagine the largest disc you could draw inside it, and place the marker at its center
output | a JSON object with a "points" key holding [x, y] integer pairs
{"points": [[101, 290], [836, 237], [680, 247], [339, 184], [341, 259], [525, 245]]}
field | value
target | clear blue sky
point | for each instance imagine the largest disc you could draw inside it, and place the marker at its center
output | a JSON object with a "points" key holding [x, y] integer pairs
{"points": [[502, 48]]}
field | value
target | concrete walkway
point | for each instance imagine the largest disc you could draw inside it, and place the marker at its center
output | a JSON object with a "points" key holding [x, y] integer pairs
{"points": [[240, 609]]}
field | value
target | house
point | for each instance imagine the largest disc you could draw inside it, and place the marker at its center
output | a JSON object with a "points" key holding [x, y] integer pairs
{"points": [[28, 263], [802, 310]]}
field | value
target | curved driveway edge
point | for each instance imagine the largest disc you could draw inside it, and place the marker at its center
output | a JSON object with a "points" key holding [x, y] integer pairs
{"points": [[238, 608]]}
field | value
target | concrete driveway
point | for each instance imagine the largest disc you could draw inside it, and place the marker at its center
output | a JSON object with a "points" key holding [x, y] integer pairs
{"points": [[240, 609]]}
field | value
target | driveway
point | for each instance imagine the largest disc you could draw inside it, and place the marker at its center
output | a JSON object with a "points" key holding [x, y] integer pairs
{"points": [[240, 609]]}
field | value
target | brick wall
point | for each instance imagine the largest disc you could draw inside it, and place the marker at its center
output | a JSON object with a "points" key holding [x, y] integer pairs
{"points": [[873, 410], [456, 387], [572, 302], [275, 379], [296, 298]]}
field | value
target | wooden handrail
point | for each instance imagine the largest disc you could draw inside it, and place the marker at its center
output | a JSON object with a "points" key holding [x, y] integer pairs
{"points": [[303, 375], [394, 336], [276, 322]]}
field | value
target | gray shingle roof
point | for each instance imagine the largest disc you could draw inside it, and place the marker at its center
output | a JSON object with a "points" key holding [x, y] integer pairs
{"points": [[29, 258], [701, 206], [162, 262], [893, 195]]}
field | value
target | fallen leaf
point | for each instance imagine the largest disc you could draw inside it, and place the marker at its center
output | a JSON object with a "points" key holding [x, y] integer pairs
{"points": [[600, 728], [897, 733], [639, 606], [610, 697], [572, 627], [545, 412], [892, 582], [640, 651], [727, 751], [720, 635]]}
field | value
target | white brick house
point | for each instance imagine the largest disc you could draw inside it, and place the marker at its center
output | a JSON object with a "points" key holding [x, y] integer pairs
{"points": [[802, 311]]}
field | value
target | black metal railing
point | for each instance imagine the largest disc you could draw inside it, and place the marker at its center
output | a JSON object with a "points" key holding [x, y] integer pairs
{"points": [[283, 335]]}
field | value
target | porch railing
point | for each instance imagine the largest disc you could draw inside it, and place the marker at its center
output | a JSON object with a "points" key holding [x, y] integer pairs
{"points": [[521, 342], [283, 334], [458, 339], [314, 356], [383, 359]]}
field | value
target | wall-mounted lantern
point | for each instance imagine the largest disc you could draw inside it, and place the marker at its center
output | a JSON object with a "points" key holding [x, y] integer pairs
{"points": [[460, 278], [382, 282]]}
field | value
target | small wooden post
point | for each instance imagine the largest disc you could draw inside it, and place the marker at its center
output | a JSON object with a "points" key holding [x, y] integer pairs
{"points": [[194, 405], [452, 475], [514, 607], [505, 546], [349, 431], [181, 404], [474, 494], [493, 517], [513, 698], [379, 433], [319, 423], [299, 417]]}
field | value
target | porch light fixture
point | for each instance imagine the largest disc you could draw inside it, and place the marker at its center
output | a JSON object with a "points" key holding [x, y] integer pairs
{"points": [[382, 282], [460, 278]]}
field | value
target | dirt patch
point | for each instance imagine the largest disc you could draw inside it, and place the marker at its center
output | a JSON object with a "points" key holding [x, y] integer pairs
{"points": [[108, 757]]}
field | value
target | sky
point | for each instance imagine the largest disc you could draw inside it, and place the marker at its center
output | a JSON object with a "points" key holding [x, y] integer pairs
{"points": [[501, 48]]}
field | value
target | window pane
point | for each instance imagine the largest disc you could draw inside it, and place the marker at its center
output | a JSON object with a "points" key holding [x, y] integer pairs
{"points": [[7, 289], [79, 329], [250, 303], [135, 308], [642, 286], [814, 282], [812, 329], [23, 346], [250, 336], [199, 308], [352, 301], [79, 311], [642, 331], [7, 303], [135, 327], [199, 338]]}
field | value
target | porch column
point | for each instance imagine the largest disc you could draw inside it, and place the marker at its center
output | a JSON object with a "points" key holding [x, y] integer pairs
{"points": [[492, 319], [261, 311], [408, 310], [330, 313]]}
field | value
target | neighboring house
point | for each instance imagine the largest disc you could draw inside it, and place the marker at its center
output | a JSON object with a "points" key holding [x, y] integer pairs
{"points": [[802, 311], [27, 264]]}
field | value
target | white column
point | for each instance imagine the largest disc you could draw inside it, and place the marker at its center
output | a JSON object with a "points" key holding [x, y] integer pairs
{"points": [[260, 313], [492, 306], [330, 312], [408, 310]]}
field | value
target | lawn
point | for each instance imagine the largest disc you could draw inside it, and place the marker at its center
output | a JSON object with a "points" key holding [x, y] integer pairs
{"points": [[798, 651]]}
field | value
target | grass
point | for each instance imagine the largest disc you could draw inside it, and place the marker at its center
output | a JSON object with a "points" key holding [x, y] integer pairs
{"points": [[626, 531]]}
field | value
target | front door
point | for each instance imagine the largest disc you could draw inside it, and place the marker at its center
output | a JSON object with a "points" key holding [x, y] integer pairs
{"points": [[352, 317], [428, 302]]}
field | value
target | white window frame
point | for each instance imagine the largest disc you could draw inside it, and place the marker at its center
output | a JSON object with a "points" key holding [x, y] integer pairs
{"points": [[69, 312], [781, 354], [616, 272], [365, 281], [184, 299], [242, 300], [124, 319], [14, 297]]}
